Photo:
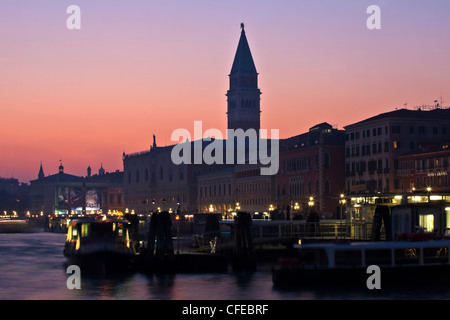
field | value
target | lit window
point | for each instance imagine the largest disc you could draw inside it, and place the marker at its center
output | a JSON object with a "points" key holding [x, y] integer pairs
{"points": [[426, 222]]}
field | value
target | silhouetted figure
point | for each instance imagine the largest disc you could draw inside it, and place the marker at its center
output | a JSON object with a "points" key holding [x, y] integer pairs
{"points": [[381, 215]]}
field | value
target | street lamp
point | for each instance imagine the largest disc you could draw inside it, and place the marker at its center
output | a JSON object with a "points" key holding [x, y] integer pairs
{"points": [[238, 207], [342, 202], [311, 202], [428, 191], [271, 209]]}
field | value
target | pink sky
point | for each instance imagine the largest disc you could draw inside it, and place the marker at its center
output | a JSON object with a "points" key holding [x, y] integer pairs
{"points": [[141, 68]]}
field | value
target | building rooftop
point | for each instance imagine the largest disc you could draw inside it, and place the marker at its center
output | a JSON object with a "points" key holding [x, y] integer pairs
{"points": [[402, 114]]}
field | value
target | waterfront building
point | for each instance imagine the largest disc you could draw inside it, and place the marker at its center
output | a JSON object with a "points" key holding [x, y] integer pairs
{"points": [[63, 193], [425, 169], [311, 173], [152, 181], [373, 145], [255, 193], [217, 192]]}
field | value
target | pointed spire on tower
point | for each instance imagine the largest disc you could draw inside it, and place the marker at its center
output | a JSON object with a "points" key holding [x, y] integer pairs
{"points": [[41, 172], [243, 60], [243, 97]]}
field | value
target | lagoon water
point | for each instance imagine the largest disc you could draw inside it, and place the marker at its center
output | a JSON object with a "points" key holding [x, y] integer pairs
{"points": [[32, 267]]}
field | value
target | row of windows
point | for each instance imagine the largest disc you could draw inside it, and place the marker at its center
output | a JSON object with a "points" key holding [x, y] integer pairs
{"points": [[424, 182], [245, 104], [300, 164], [363, 150], [376, 148], [115, 199], [395, 130], [256, 186], [255, 201], [297, 189], [213, 191], [371, 166], [152, 175], [370, 185], [366, 133], [423, 164]]}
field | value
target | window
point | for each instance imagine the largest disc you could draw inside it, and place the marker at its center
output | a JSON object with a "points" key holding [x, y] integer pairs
{"points": [[327, 187], [326, 161], [426, 221], [395, 129], [137, 176], [395, 145], [181, 174]]}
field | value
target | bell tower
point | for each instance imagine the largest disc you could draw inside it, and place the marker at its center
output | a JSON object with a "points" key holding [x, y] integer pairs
{"points": [[243, 97]]}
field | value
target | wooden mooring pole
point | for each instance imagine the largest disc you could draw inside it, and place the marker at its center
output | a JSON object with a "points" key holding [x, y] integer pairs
{"points": [[243, 251]]}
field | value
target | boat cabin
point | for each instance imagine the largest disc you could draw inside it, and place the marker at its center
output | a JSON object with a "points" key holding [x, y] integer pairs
{"points": [[87, 235], [364, 254]]}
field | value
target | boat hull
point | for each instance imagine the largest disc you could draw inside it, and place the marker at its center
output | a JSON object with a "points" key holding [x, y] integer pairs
{"points": [[358, 276], [105, 262]]}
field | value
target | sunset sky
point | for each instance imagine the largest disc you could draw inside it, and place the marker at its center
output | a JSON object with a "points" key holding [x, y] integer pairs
{"points": [[138, 68]]}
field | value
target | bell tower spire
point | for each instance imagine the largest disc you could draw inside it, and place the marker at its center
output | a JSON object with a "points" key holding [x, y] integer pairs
{"points": [[243, 95], [41, 172]]}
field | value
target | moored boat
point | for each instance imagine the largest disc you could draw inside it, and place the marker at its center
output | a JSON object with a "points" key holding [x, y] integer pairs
{"points": [[408, 262], [101, 244], [16, 225]]}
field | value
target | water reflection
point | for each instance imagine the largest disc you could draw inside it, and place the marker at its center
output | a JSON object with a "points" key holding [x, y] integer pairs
{"points": [[33, 268]]}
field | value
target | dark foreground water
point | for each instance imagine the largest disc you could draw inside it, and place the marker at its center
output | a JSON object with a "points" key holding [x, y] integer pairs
{"points": [[32, 267]]}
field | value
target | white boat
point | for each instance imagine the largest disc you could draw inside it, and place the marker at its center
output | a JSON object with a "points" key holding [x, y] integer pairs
{"points": [[347, 263], [101, 244]]}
